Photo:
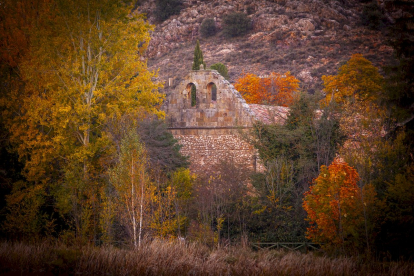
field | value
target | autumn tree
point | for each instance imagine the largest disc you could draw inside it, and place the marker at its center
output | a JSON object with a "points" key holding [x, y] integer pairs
{"points": [[84, 67], [277, 89], [358, 90], [333, 205], [219, 204], [253, 89], [357, 81], [359, 93], [376, 119], [170, 198], [130, 180], [292, 153], [167, 187], [282, 88], [17, 19]]}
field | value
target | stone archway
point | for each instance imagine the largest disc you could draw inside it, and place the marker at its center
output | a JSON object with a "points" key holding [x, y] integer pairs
{"points": [[192, 93], [212, 91]]}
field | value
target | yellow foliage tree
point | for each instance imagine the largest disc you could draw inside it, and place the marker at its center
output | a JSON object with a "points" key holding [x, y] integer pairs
{"points": [[84, 66], [357, 80], [170, 198], [130, 180], [358, 89]]}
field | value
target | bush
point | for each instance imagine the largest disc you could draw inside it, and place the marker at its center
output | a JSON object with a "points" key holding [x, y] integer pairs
{"points": [[166, 8], [208, 27], [250, 9], [372, 16], [236, 24], [221, 68]]}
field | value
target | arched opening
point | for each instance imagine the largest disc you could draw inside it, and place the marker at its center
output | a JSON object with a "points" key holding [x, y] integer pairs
{"points": [[212, 90], [192, 93]]}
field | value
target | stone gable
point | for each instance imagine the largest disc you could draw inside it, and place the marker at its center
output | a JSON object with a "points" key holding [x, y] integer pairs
{"points": [[210, 127], [228, 109]]}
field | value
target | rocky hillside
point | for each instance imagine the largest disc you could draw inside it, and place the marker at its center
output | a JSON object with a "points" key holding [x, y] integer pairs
{"points": [[310, 38]]}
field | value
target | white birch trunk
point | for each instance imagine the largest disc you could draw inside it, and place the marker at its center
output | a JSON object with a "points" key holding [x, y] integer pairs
{"points": [[141, 207], [134, 223]]}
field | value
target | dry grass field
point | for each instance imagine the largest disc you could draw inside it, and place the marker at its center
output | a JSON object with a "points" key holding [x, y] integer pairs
{"points": [[171, 258]]}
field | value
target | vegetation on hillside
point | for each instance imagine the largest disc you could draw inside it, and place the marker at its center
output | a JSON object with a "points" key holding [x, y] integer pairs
{"points": [[167, 8], [208, 27], [221, 68], [236, 24]]}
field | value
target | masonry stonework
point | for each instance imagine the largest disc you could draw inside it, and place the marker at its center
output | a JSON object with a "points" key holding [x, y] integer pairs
{"points": [[209, 130]]}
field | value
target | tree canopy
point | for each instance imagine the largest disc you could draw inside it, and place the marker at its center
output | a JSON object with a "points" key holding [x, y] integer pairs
{"points": [[81, 66], [276, 89]]}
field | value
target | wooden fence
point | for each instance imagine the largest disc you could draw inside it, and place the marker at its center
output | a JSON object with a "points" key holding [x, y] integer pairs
{"points": [[303, 246]]}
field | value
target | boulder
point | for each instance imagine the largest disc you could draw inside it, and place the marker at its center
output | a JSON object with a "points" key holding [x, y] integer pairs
{"points": [[269, 22], [305, 76], [305, 25]]}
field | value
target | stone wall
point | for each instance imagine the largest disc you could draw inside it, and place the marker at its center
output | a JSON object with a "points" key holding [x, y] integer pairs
{"points": [[210, 130], [207, 147], [228, 110]]}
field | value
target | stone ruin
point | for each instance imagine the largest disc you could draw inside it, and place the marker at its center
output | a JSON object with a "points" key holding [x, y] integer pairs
{"points": [[208, 115]]}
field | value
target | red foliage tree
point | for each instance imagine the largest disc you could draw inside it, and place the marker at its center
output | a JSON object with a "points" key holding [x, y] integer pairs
{"points": [[337, 208]]}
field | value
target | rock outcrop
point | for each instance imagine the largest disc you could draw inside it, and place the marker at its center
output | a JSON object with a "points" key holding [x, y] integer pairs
{"points": [[310, 38]]}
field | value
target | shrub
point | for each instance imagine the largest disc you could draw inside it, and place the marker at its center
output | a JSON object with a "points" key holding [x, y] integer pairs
{"points": [[236, 24], [221, 68], [208, 27], [250, 9], [166, 8], [372, 16]]}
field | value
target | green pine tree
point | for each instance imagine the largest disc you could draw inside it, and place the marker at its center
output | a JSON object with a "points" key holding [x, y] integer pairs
{"points": [[198, 57]]}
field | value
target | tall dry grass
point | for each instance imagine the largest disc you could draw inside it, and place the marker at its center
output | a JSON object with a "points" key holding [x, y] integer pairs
{"points": [[172, 258]]}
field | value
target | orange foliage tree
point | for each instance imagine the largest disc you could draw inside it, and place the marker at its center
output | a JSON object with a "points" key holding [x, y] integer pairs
{"points": [[281, 88], [252, 88], [337, 208], [277, 89]]}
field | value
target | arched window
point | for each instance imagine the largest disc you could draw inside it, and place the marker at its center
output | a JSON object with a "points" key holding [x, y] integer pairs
{"points": [[192, 92], [212, 90]]}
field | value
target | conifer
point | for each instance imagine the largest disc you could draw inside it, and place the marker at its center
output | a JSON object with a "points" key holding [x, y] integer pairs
{"points": [[198, 57]]}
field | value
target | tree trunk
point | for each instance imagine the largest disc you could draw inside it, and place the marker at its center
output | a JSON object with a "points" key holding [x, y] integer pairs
{"points": [[141, 207], [134, 223]]}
